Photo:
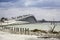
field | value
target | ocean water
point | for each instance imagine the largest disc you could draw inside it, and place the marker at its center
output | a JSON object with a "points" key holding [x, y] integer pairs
{"points": [[43, 26]]}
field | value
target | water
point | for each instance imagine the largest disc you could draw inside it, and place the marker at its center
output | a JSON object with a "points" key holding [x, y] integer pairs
{"points": [[43, 26]]}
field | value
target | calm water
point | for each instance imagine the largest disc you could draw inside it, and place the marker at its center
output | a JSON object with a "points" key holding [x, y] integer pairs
{"points": [[43, 26]]}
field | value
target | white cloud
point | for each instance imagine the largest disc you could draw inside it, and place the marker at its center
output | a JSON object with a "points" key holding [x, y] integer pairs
{"points": [[31, 3], [39, 13], [45, 10]]}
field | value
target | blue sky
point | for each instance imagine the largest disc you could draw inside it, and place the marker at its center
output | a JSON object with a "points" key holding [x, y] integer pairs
{"points": [[41, 9], [8, 0]]}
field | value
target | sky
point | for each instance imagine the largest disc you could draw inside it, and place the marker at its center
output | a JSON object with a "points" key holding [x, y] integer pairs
{"points": [[41, 9]]}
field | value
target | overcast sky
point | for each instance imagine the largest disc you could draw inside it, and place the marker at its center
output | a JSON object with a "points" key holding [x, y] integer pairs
{"points": [[41, 9]]}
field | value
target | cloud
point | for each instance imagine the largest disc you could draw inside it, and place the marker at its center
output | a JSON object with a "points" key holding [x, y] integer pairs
{"points": [[30, 3], [44, 3], [11, 4], [39, 8], [39, 13], [7, 0]]}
